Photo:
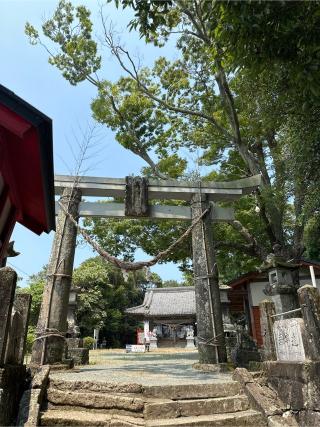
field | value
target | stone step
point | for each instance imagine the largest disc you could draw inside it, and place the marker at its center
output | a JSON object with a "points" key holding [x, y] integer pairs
{"points": [[174, 392], [193, 391], [239, 419], [95, 386], [186, 408], [82, 418], [89, 399], [113, 411]]}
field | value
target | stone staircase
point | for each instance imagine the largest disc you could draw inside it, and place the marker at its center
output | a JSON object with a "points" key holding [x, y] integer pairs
{"points": [[84, 403]]}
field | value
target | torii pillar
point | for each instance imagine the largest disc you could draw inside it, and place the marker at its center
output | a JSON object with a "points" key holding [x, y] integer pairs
{"points": [[210, 333], [49, 347]]}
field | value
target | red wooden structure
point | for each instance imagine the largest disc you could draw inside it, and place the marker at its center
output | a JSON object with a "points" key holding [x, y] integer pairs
{"points": [[26, 168]]}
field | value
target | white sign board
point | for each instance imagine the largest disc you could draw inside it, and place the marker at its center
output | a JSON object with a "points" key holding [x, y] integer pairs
{"points": [[135, 348], [288, 340]]}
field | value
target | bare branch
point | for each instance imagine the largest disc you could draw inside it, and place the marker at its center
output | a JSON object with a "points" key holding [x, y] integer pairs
{"points": [[118, 51]]}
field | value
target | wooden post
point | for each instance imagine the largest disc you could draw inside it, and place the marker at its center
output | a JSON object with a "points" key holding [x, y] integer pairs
{"points": [[49, 346], [208, 306], [267, 309]]}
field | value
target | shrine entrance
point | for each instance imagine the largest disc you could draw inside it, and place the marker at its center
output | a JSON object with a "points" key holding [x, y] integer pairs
{"points": [[203, 210]]}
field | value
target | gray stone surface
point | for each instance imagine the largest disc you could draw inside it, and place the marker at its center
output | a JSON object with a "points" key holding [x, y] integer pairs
{"points": [[208, 304], [8, 280], [309, 418], [15, 332], [12, 380], [191, 407], [17, 336], [309, 299], [298, 384], [290, 339], [31, 401], [95, 400], [143, 368], [243, 376], [260, 396], [54, 307], [80, 356], [22, 304], [267, 309]]}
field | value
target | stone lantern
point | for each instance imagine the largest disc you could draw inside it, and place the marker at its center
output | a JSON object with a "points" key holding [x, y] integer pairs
{"points": [[283, 283], [76, 351], [73, 329], [225, 306]]}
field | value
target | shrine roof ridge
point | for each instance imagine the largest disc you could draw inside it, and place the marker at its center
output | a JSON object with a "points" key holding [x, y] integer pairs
{"points": [[173, 301]]}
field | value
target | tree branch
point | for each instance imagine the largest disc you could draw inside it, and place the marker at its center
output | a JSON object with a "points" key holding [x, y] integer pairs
{"points": [[248, 249], [140, 151], [118, 51], [259, 250]]}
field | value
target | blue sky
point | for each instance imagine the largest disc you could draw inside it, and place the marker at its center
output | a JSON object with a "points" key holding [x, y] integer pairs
{"points": [[25, 70]]}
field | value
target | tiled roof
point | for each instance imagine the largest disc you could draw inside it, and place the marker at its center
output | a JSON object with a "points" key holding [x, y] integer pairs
{"points": [[178, 301]]}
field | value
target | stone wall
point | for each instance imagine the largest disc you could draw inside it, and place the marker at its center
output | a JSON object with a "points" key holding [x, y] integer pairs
{"points": [[14, 314], [295, 375], [12, 383]]}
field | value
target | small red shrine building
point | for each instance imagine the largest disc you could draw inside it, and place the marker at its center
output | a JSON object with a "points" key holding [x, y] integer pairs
{"points": [[246, 293], [26, 168]]}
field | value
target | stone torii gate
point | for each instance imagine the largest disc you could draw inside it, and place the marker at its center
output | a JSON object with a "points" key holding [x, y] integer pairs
{"points": [[49, 347]]}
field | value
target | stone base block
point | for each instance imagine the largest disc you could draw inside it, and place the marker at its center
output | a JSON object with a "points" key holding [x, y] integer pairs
{"points": [[309, 418], [80, 356], [297, 383], [12, 381], [190, 343], [153, 343], [74, 342], [211, 367]]}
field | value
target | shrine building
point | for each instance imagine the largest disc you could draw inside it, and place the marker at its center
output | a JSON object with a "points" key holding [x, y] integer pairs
{"points": [[26, 169], [170, 312]]}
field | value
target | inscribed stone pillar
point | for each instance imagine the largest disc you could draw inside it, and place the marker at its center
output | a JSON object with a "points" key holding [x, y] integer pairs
{"points": [[267, 309], [208, 306], [309, 299], [52, 324], [19, 328], [15, 332], [8, 281]]}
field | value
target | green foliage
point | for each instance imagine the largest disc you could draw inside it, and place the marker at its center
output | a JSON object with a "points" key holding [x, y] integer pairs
{"points": [[171, 284], [31, 336], [35, 286], [242, 96], [103, 297], [88, 342], [78, 57]]}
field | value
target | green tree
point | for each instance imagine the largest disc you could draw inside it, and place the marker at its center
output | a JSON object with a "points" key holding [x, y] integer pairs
{"points": [[35, 286], [247, 75], [103, 297]]}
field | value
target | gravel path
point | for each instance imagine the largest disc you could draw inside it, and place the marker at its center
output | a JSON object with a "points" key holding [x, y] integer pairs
{"points": [[142, 368]]}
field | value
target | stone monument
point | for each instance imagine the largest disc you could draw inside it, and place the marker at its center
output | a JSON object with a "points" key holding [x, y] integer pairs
{"points": [[295, 373], [153, 339], [288, 339], [190, 337], [75, 349]]}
